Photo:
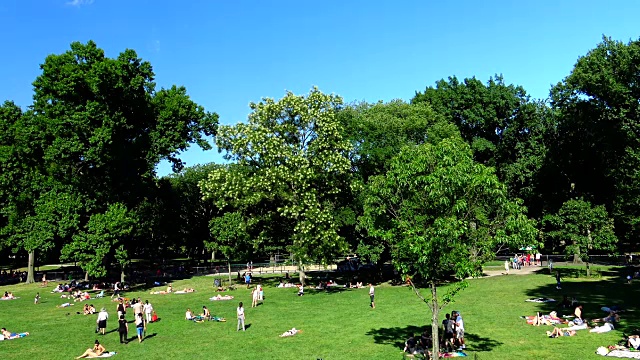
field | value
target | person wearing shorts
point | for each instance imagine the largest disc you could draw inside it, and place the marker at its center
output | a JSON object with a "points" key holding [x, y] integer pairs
{"points": [[102, 320], [372, 296], [139, 326]]}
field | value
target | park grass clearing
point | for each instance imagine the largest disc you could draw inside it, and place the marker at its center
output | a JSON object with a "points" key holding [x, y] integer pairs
{"points": [[336, 324]]}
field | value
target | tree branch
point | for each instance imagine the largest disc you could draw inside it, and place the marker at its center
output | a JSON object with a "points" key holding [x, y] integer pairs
{"points": [[427, 301]]}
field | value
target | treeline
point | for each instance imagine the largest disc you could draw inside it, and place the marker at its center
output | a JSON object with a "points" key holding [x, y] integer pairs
{"points": [[464, 167]]}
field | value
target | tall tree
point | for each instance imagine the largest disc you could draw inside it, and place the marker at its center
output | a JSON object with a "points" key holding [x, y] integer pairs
{"points": [[599, 131], [230, 236], [440, 211], [291, 153], [102, 128], [504, 126], [581, 228]]}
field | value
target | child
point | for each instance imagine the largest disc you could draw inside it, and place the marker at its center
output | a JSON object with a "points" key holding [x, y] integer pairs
{"points": [[37, 299]]}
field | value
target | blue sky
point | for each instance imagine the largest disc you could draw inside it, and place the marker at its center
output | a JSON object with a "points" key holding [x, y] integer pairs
{"points": [[228, 53]]}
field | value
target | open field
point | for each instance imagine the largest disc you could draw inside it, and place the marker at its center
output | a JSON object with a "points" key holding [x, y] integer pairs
{"points": [[336, 324]]}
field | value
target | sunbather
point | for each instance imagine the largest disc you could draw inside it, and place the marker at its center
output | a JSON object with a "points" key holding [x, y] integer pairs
{"points": [[220, 297], [290, 332], [634, 342], [185, 291], [94, 352], [557, 332], [606, 327], [613, 317], [9, 335]]}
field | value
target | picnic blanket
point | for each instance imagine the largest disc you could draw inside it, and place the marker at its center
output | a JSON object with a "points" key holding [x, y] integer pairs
{"points": [[627, 354], [13, 298], [221, 298], [453, 354], [540, 300]]}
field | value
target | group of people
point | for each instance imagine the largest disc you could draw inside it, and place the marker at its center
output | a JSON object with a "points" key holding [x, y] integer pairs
{"points": [[520, 260], [205, 316], [8, 295], [453, 332]]}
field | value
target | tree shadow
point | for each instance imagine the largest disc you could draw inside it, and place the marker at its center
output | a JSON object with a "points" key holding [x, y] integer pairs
{"points": [[480, 344], [396, 336], [611, 289]]}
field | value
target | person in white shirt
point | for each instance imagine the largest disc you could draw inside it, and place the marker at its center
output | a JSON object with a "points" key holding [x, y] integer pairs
{"points": [[255, 294], [240, 312], [102, 320], [301, 290], [148, 310], [189, 315], [372, 295]]}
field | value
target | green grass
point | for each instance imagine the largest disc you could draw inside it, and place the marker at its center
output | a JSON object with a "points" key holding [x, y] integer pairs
{"points": [[336, 325]]}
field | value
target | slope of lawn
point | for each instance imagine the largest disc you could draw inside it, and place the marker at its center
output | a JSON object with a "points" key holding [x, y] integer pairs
{"points": [[336, 325]]}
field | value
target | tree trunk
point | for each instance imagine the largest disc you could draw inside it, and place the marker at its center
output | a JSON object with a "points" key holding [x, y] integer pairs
{"points": [[301, 273], [122, 275], [229, 264], [30, 267], [588, 270], [86, 276], [435, 312], [576, 254]]}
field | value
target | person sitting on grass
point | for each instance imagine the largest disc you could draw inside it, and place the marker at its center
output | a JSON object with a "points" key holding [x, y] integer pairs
{"points": [[410, 345], [291, 332], [633, 342], [189, 315], [206, 313], [94, 352], [557, 332], [8, 296]]}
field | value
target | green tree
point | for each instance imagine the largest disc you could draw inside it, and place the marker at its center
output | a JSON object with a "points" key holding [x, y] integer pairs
{"points": [[103, 233], [599, 132], [440, 211], [98, 128], [505, 128], [230, 236], [581, 228], [292, 155]]}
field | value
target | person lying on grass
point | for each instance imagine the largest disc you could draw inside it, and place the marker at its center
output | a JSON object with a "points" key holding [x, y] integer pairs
{"points": [[220, 297], [64, 305], [185, 291], [557, 332], [94, 352], [602, 329], [9, 335], [613, 317], [550, 319], [291, 332]]}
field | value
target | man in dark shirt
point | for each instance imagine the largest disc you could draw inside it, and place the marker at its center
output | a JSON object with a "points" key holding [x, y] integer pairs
{"points": [[410, 345]]}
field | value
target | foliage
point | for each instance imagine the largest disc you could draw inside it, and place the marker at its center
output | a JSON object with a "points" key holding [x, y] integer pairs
{"points": [[291, 154], [104, 234], [440, 212], [581, 228], [599, 148], [504, 127]]}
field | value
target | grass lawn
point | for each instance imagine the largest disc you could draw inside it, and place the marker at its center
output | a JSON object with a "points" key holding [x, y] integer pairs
{"points": [[336, 325]]}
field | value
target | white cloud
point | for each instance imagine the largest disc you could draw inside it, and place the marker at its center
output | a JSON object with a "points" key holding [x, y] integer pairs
{"points": [[79, 2]]}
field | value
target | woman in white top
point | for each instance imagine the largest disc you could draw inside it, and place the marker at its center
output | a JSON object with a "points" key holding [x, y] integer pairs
{"points": [[240, 313], [255, 294], [102, 320], [148, 310]]}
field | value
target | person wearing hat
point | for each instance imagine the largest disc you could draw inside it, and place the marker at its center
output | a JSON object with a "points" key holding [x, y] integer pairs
{"points": [[102, 320]]}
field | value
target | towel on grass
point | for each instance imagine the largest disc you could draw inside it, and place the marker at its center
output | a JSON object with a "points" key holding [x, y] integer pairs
{"points": [[453, 354], [618, 353], [540, 300]]}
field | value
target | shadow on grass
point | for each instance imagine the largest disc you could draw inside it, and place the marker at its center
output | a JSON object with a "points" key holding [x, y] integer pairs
{"points": [[480, 344], [396, 336], [611, 289]]}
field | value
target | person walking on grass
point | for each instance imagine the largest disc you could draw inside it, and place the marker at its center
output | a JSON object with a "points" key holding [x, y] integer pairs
{"points": [[139, 326], [372, 295], [506, 267], [102, 320], [123, 329], [240, 312]]}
